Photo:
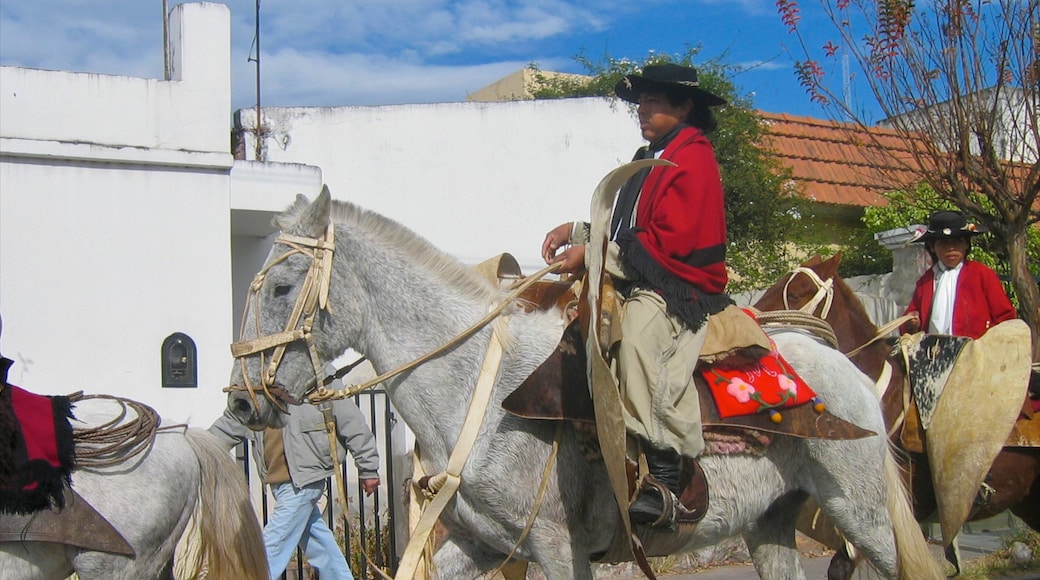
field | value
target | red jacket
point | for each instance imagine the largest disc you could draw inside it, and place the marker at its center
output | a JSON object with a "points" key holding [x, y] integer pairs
{"points": [[980, 303], [681, 219]]}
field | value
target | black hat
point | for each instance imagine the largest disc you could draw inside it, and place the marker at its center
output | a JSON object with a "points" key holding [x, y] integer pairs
{"points": [[665, 77], [947, 224]]}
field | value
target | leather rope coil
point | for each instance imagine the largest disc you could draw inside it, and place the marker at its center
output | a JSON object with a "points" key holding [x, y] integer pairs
{"points": [[119, 439], [800, 320]]}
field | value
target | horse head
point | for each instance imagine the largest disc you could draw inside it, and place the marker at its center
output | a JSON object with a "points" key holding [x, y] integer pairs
{"points": [[808, 287], [281, 348]]}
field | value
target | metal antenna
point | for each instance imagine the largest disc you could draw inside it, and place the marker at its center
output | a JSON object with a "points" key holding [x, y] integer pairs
{"points": [[259, 150]]}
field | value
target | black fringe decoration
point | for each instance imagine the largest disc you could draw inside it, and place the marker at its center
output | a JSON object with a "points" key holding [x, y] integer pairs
{"points": [[17, 470], [681, 298]]}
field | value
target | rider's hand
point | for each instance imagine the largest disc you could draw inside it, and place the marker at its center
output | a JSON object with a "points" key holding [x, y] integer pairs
{"points": [[554, 240], [914, 324], [573, 259]]}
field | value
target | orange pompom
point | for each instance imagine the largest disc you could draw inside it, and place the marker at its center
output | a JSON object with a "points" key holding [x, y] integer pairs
{"points": [[819, 406]]}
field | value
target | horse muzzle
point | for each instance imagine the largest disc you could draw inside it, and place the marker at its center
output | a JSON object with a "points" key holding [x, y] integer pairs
{"points": [[254, 412]]}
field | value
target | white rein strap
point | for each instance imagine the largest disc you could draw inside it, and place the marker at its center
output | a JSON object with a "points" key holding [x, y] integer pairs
{"points": [[824, 292], [447, 482]]}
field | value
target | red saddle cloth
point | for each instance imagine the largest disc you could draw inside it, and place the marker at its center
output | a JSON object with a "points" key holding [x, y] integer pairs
{"points": [[37, 453], [767, 387]]}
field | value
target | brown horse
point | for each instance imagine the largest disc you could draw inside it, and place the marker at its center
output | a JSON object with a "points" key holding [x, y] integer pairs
{"points": [[1015, 473]]}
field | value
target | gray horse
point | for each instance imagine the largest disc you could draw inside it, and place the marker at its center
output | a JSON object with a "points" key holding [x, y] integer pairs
{"points": [[389, 294], [150, 499]]}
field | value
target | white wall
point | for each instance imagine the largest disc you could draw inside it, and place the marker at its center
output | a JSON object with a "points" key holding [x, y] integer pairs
{"points": [[476, 179], [116, 217]]}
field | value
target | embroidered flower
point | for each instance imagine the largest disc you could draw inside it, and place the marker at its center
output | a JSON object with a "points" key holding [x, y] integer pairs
{"points": [[740, 390], [787, 383]]}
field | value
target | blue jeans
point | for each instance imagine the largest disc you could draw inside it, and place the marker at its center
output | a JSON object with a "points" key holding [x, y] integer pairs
{"points": [[296, 521]]}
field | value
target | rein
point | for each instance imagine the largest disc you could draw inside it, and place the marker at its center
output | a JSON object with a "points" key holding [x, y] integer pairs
{"points": [[314, 295], [321, 393], [825, 293]]}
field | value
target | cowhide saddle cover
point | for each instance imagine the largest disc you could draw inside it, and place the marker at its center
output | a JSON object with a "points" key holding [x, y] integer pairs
{"points": [[930, 360]]}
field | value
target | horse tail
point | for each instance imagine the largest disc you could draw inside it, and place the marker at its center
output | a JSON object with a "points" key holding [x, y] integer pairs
{"points": [[913, 558], [228, 541]]}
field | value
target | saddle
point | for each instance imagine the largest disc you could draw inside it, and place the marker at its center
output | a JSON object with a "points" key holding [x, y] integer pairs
{"points": [[929, 361], [968, 398], [559, 390], [38, 503]]}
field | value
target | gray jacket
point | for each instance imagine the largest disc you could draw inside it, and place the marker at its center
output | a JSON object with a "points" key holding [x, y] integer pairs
{"points": [[307, 442]]}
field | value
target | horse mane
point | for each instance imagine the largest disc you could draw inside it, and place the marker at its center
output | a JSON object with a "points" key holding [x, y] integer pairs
{"points": [[416, 249], [853, 305], [852, 302]]}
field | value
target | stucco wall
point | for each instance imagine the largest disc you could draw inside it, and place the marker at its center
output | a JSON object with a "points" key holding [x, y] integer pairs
{"points": [[116, 219], [475, 179]]}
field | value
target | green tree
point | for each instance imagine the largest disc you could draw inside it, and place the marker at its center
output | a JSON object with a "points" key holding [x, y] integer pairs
{"points": [[959, 80], [765, 221]]}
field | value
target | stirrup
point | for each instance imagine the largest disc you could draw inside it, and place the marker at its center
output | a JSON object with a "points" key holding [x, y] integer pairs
{"points": [[669, 504]]}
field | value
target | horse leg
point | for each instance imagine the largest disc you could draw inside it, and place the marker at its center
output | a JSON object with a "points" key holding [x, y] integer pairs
{"points": [[953, 556], [854, 499], [771, 541], [873, 510], [462, 557], [459, 557]]}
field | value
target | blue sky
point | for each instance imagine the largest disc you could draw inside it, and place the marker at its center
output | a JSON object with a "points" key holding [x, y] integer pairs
{"points": [[370, 52]]}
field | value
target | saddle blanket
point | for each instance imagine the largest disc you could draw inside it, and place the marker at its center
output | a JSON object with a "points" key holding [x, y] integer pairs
{"points": [[38, 453], [765, 387]]}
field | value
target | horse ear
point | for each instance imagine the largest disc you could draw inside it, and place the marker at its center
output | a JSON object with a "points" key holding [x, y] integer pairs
{"points": [[307, 218], [315, 219], [813, 261], [829, 268]]}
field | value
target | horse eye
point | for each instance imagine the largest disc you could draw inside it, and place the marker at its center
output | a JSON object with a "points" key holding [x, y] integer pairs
{"points": [[281, 290]]}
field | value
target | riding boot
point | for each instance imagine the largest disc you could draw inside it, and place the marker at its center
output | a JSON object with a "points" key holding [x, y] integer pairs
{"points": [[653, 507]]}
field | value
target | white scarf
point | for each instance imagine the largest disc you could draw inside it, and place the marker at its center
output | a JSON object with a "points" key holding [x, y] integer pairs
{"points": [[945, 295]]}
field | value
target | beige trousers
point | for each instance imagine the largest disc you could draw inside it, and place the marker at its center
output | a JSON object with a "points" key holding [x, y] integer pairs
{"points": [[655, 362]]}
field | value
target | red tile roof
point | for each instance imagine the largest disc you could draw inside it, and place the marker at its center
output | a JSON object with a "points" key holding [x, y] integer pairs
{"points": [[838, 163]]}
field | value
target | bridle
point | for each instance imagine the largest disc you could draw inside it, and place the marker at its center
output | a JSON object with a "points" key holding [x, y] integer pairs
{"points": [[314, 295], [824, 292]]}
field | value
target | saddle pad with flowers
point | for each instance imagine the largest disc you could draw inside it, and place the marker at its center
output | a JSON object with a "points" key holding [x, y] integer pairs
{"points": [[767, 387]]}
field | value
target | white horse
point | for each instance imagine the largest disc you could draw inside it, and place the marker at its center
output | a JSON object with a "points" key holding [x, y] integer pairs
{"points": [[150, 499], [393, 297]]}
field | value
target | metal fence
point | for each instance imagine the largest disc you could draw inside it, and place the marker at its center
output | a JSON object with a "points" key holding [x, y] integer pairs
{"points": [[369, 528]]}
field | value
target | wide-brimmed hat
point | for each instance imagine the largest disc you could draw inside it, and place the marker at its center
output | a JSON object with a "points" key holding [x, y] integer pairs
{"points": [[665, 77], [947, 224]]}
